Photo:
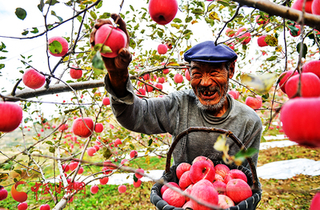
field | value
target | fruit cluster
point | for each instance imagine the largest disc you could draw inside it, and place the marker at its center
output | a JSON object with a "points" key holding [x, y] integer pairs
{"points": [[208, 183]]}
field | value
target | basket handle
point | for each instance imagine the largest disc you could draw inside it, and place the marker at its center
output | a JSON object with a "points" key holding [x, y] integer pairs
{"points": [[217, 130]]}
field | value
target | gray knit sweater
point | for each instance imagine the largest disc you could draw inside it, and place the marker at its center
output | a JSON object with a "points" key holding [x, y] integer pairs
{"points": [[178, 111]]}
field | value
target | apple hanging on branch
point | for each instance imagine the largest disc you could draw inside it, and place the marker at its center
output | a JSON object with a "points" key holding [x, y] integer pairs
{"points": [[163, 11], [10, 115], [58, 46], [110, 39], [33, 79]]}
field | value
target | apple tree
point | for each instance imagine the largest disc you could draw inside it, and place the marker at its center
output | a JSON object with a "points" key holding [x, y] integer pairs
{"points": [[274, 43]]}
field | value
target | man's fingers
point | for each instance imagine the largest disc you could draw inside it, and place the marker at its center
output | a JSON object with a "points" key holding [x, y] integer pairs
{"points": [[101, 22]]}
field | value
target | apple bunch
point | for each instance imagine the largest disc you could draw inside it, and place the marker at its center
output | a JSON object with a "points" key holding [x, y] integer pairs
{"points": [[300, 115], [214, 184]]}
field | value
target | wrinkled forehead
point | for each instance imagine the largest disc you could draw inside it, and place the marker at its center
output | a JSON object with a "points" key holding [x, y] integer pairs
{"points": [[203, 65]]}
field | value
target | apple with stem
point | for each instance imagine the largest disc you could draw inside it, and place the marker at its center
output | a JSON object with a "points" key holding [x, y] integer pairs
{"points": [[104, 180], [33, 79], [83, 127], [202, 169], [113, 37], [243, 35], [163, 11], [310, 85], [10, 115], [133, 154], [220, 187], [222, 170], [58, 46], [284, 76], [300, 118]]}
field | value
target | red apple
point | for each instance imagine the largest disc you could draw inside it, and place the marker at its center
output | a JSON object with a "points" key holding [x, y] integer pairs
{"points": [[230, 32], [104, 180], [133, 154], [225, 201], [284, 76], [204, 190], [185, 180], [218, 177], [10, 115], [65, 167], [181, 168], [295, 34], [300, 118], [162, 49], [261, 41], [262, 20], [298, 4], [238, 190], [137, 183], [22, 206], [146, 77], [245, 37], [33, 79], [222, 170], [312, 66], [164, 187], [58, 46], [173, 198], [63, 127], [202, 158], [116, 40], [166, 71], [254, 102], [94, 189], [91, 151], [235, 174], [73, 165], [45, 207], [188, 205], [141, 91], [202, 169], [75, 73], [315, 7], [220, 187], [122, 189], [80, 171], [98, 128], [161, 79], [310, 85], [3, 193], [83, 127], [149, 88], [187, 74], [178, 78], [158, 85], [163, 11], [188, 190], [315, 202], [235, 94], [106, 101], [117, 142], [139, 173]]}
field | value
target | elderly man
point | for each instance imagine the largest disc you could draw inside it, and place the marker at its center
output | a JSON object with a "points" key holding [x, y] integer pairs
{"points": [[207, 104]]}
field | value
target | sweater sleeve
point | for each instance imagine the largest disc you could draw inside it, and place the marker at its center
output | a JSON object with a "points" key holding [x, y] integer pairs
{"points": [[149, 116]]}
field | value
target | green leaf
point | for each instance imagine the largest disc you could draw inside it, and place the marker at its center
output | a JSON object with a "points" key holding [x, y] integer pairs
{"points": [[106, 49], [52, 2], [52, 149], [79, 18], [21, 13], [55, 47], [261, 83], [211, 7], [150, 142], [242, 154], [54, 14], [272, 58], [97, 61], [304, 49], [99, 5], [177, 20], [131, 7], [106, 153], [93, 14], [2, 65], [35, 30], [25, 32], [2, 57], [41, 5]]}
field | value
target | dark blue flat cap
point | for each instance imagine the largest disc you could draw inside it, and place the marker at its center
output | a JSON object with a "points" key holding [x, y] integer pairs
{"points": [[208, 52]]}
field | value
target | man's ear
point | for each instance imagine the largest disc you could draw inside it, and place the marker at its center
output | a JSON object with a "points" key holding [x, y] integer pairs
{"points": [[231, 69]]}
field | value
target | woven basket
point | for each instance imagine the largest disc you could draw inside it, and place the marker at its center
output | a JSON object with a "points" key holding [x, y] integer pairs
{"points": [[169, 174]]}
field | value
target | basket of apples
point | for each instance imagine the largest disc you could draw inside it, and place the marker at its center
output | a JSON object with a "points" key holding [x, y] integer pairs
{"points": [[207, 184]]}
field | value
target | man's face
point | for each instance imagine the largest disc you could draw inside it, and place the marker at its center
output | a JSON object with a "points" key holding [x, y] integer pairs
{"points": [[209, 82]]}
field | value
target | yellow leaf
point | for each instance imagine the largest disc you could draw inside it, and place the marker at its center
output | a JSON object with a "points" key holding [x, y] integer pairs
{"points": [[271, 40], [220, 144], [214, 16], [260, 83], [173, 64], [194, 21]]}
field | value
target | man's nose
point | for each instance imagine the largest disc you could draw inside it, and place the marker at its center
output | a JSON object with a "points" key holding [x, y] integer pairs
{"points": [[205, 81]]}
